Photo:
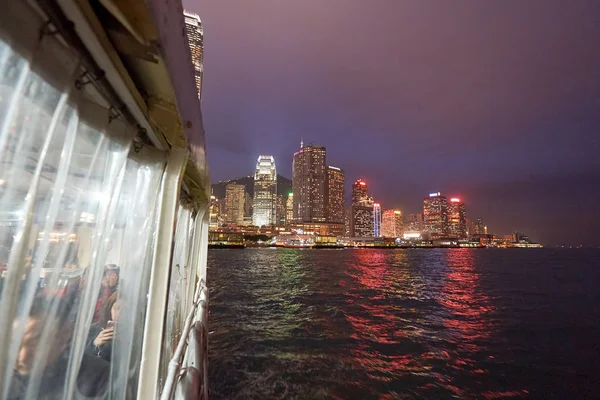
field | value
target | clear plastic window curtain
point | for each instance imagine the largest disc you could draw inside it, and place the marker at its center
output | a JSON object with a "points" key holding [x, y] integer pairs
{"points": [[78, 212], [183, 275]]}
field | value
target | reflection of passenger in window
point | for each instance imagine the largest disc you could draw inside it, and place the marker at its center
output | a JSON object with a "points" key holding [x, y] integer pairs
{"points": [[110, 282], [101, 334], [50, 350]]}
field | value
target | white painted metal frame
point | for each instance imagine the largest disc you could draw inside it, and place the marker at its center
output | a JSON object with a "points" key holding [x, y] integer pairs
{"points": [[87, 35], [159, 279]]}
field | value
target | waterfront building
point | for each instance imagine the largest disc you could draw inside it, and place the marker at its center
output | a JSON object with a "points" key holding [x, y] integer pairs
{"points": [[264, 205], [289, 209], [336, 196], [391, 225], [309, 184], [377, 220], [362, 219], [281, 214], [479, 227], [457, 220], [435, 214], [214, 213], [234, 203], [195, 35]]}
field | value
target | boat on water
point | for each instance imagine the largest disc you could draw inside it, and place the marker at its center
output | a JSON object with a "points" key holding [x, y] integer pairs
{"points": [[104, 191], [297, 244]]}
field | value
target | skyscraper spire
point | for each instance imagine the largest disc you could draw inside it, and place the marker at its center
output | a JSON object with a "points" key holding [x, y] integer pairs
{"points": [[301, 142]]}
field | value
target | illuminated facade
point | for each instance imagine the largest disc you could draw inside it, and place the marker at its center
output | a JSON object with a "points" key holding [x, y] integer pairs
{"points": [[336, 197], [195, 35], [457, 219], [391, 225], [289, 209], [361, 219], [309, 184], [264, 205], [435, 214], [377, 220], [479, 227], [281, 214], [235, 196], [214, 213]]}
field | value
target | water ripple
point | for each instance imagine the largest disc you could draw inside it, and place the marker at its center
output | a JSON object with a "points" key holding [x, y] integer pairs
{"points": [[404, 324]]}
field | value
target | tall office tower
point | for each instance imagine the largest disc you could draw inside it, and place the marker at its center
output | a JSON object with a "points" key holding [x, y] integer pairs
{"points": [[362, 219], [457, 220], [391, 225], [214, 213], [309, 184], [479, 227], [414, 222], [336, 197], [195, 34], [435, 214], [248, 206], [264, 206], [281, 214], [289, 209], [234, 203], [377, 220]]}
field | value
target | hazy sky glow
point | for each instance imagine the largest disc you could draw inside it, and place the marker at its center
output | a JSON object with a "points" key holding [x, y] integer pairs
{"points": [[496, 102]]}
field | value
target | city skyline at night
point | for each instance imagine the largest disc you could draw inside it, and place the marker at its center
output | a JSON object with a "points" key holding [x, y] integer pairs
{"points": [[506, 119]]}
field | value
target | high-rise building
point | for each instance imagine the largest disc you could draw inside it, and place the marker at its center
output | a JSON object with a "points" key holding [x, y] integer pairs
{"points": [[247, 206], [281, 214], [214, 213], [309, 184], [234, 203], [414, 223], [195, 35], [457, 218], [435, 214], [391, 225], [289, 209], [362, 219], [264, 206], [479, 227], [336, 197], [377, 220]]}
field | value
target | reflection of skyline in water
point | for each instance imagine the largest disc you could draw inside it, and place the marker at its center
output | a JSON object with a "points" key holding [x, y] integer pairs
{"points": [[364, 323]]}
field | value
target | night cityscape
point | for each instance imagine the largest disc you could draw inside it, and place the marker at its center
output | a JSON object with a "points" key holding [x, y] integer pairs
{"points": [[315, 212], [315, 199]]}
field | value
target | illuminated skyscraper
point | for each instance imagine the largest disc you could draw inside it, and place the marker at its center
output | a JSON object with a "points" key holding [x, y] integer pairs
{"points": [[336, 197], [362, 219], [479, 227], [457, 220], [309, 184], [234, 203], [280, 220], [289, 209], [435, 214], [264, 206], [377, 220], [391, 225], [214, 213], [195, 34]]}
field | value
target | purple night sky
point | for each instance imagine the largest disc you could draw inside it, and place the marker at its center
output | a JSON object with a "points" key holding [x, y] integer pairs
{"points": [[495, 102]]}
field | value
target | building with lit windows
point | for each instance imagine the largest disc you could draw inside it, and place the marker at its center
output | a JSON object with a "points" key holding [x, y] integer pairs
{"points": [[214, 213], [264, 204], [435, 214], [289, 209], [479, 227], [391, 224], [336, 196], [377, 220], [361, 218], [309, 184], [235, 196], [195, 35], [457, 218], [281, 214]]}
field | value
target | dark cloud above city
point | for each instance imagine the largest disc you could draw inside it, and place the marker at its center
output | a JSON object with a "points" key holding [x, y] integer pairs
{"points": [[498, 102]]}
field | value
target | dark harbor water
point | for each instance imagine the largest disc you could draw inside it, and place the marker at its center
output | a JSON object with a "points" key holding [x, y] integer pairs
{"points": [[403, 324]]}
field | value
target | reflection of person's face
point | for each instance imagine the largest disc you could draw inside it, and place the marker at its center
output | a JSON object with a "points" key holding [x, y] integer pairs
{"points": [[30, 343], [115, 311], [113, 279]]}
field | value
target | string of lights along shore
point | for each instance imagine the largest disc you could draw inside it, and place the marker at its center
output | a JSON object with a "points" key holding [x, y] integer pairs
{"points": [[314, 204]]}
